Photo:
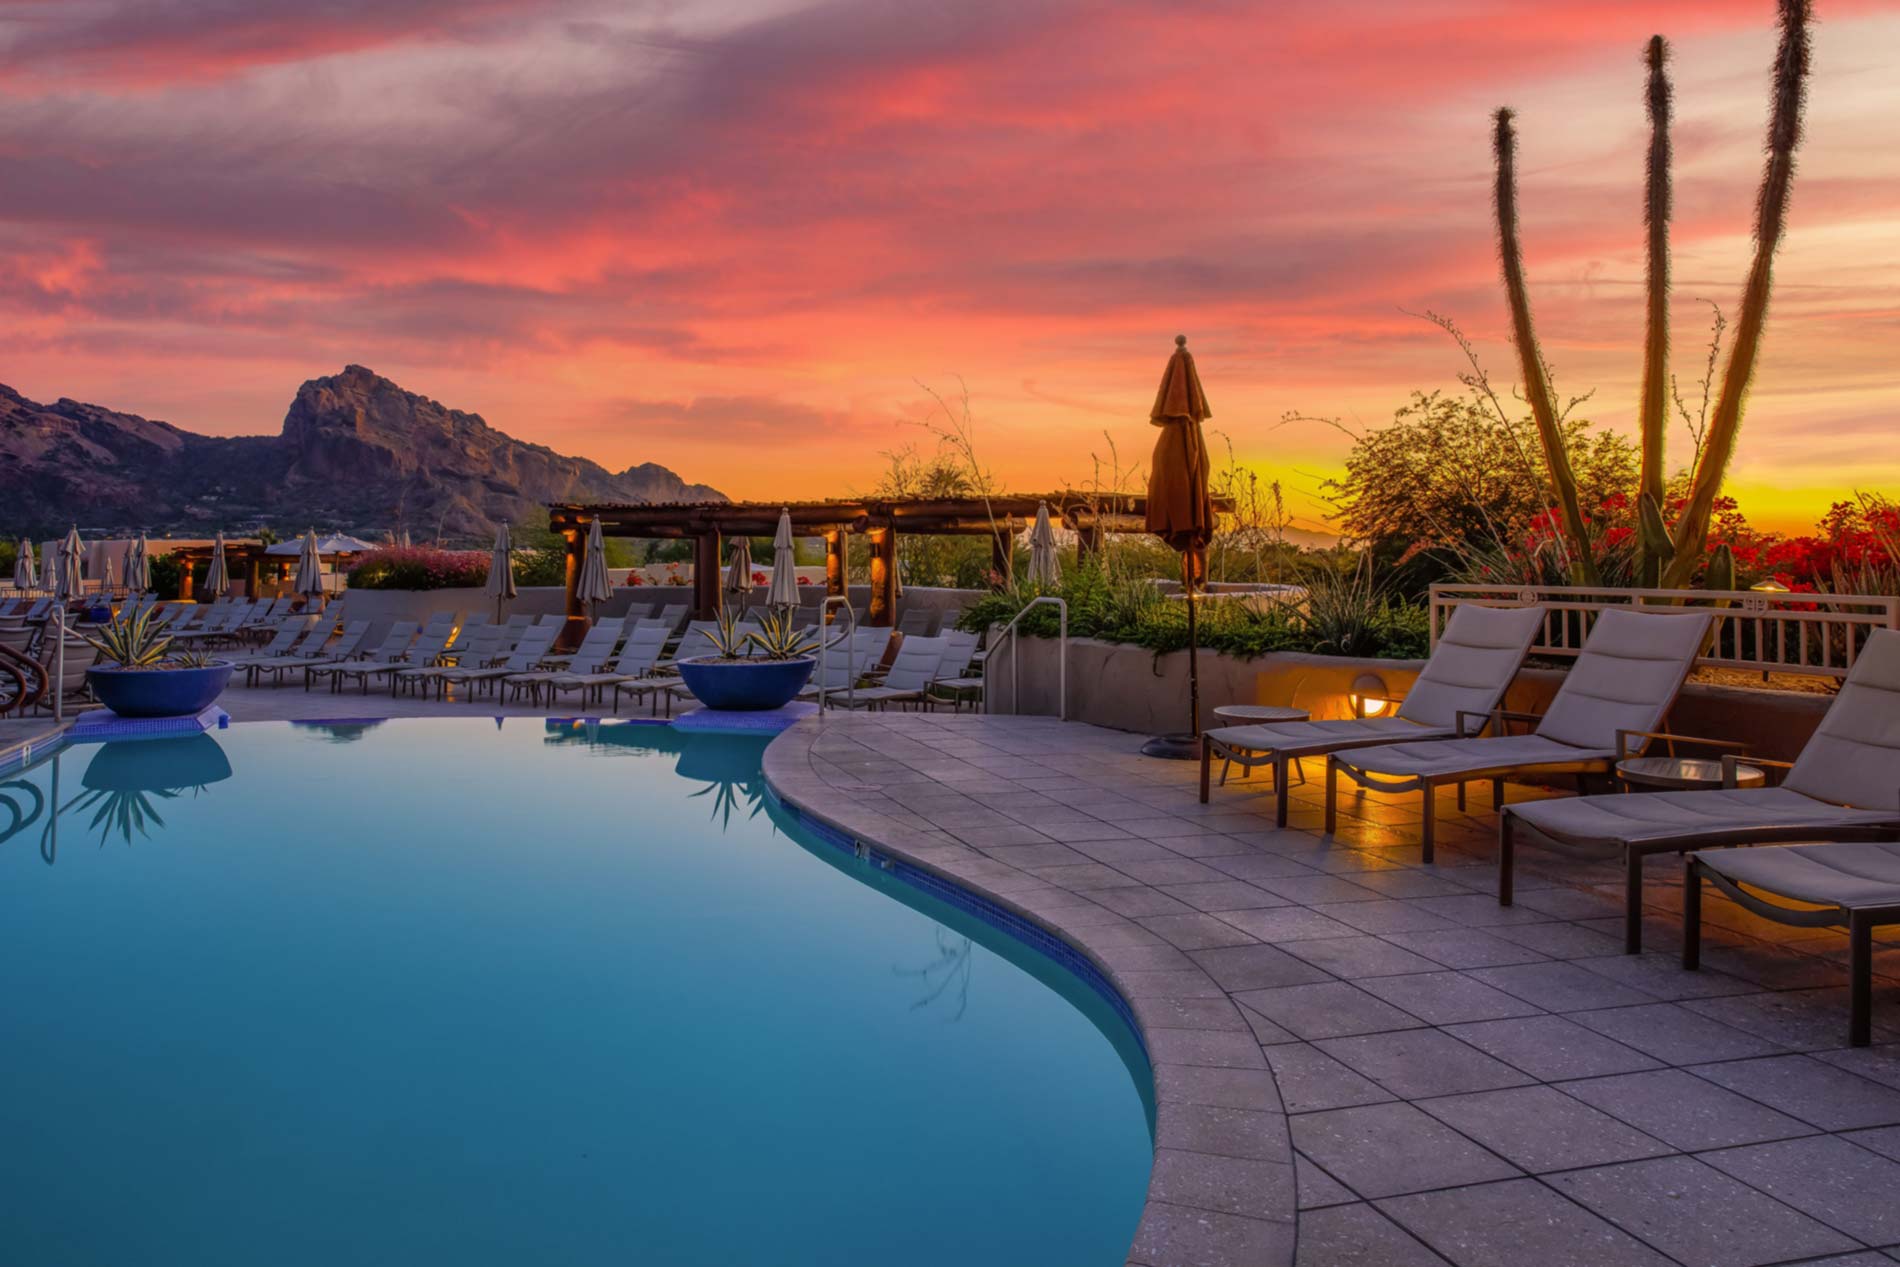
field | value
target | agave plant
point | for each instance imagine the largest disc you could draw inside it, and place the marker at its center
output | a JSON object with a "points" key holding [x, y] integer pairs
{"points": [[727, 640], [779, 639], [132, 642]]}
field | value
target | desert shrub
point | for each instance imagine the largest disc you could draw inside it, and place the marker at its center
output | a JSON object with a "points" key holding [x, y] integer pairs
{"points": [[419, 568]]}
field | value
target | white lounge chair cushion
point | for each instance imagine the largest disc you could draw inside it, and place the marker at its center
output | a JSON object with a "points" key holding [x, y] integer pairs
{"points": [[1854, 756], [1443, 757], [1472, 664], [1626, 676], [1310, 738], [1728, 812], [1846, 875]]}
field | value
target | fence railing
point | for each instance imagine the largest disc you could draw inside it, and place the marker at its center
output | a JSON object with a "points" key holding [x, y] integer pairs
{"points": [[1818, 635]]}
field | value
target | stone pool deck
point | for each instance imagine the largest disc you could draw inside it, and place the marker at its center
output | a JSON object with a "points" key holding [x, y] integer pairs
{"points": [[1362, 1060]]}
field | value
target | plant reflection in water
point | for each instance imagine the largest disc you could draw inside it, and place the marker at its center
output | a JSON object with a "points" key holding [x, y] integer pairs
{"points": [[726, 766], [123, 783], [946, 975]]}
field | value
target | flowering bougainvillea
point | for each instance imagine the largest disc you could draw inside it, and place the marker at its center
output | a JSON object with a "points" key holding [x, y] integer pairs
{"points": [[420, 568]]}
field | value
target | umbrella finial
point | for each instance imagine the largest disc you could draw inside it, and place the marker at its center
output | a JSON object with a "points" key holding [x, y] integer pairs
{"points": [[1180, 340]]}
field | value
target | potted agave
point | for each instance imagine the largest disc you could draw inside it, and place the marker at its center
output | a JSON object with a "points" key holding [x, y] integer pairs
{"points": [[752, 671], [139, 675]]}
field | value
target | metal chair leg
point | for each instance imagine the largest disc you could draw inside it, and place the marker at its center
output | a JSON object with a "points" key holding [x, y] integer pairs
{"points": [[1691, 913]]}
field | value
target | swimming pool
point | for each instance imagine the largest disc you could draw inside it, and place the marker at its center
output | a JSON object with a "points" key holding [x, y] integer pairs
{"points": [[462, 992]]}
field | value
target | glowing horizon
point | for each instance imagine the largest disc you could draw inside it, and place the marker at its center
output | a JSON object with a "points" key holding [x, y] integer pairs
{"points": [[742, 238]]}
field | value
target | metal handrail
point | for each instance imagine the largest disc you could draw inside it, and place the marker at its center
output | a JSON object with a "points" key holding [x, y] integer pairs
{"points": [[1062, 661], [825, 645]]}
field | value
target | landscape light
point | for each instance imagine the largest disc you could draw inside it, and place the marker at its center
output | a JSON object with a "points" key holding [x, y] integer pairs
{"points": [[1369, 696]]}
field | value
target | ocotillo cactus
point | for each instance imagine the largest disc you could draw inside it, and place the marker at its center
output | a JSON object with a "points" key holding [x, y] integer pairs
{"points": [[1653, 535], [1784, 134], [1563, 481], [1721, 574], [1654, 412]]}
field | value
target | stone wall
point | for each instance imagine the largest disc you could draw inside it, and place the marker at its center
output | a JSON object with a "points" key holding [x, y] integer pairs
{"points": [[1128, 688]]}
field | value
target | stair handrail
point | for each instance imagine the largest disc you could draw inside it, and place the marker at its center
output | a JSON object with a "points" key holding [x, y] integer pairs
{"points": [[1062, 661], [825, 645]]}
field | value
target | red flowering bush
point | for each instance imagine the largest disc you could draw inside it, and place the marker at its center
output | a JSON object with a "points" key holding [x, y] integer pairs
{"points": [[420, 568]]}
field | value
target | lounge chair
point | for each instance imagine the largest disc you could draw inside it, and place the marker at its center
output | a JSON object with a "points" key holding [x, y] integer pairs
{"points": [[1850, 886], [485, 646], [426, 650], [673, 614], [1461, 685], [1623, 684], [954, 683], [288, 635], [1845, 786], [915, 622], [315, 648], [629, 672], [393, 649], [536, 642], [596, 649], [636, 612], [910, 675]]}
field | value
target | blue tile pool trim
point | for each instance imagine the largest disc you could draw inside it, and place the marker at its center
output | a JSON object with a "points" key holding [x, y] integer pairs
{"points": [[30, 751], [769, 722], [974, 904], [102, 724]]}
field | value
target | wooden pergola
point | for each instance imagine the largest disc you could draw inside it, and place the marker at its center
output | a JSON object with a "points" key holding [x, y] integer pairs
{"points": [[880, 520]]}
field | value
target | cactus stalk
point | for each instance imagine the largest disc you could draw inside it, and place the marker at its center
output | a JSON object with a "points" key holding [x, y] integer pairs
{"points": [[1654, 413], [1784, 135], [1563, 481]]}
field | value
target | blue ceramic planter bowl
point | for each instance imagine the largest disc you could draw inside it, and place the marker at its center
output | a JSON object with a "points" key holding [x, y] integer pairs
{"points": [[159, 692], [745, 686]]}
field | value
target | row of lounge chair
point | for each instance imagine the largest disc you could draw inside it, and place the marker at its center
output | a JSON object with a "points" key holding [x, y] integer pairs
{"points": [[1451, 730]]}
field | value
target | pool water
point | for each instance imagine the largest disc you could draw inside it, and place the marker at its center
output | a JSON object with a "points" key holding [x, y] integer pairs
{"points": [[453, 992]]}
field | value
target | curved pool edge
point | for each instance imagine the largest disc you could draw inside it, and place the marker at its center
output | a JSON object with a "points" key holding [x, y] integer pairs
{"points": [[1222, 1185]]}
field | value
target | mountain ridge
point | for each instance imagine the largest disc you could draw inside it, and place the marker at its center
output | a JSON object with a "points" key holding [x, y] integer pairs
{"points": [[356, 453]]}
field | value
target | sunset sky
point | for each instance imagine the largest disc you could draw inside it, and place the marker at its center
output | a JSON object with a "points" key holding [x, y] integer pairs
{"points": [[739, 237]]}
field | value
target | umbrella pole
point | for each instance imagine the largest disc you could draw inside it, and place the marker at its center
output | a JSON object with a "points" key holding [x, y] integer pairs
{"points": [[1194, 675]]}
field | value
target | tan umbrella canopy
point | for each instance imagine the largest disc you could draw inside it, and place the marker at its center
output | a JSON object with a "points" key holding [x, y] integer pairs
{"points": [[25, 575], [594, 586], [1181, 511], [217, 576], [309, 580], [138, 566], [1043, 568], [501, 570], [784, 588], [739, 571], [66, 565]]}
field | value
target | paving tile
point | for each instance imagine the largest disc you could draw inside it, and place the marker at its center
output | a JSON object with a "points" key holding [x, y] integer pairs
{"points": [[1399, 882], [1223, 895], [1223, 1048], [1562, 941], [1358, 1236], [1286, 923], [1842, 1185], [1138, 900], [1254, 867], [1327, 1009], [1194, 931], [1308, 1080], [1880, 1063], [1663, 976], [1181, 1236], [1384, 1150], [1421, 1062], [1310, 890], [1540, 1128], [1255, 967], [1685, 1111], [1465, 948], [1232, 1185], [1388, 915], [1191, 1014], [1228, 1132], [1220, 1087], [1445, 998], [1572, 904], [1316, 1188], [1355, 958], [1802, 1020], [1515, 1223], [1551, 1048], [1478, 910], [1171, 871], [1803, 1087], [1773, 967], [1559, 987], [1698, 1215], [1884, 1140], [1673, 1034], [1265, 1032]]}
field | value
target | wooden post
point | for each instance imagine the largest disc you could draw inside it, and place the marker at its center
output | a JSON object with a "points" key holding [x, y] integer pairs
{"points": [[1003, 553], [576, 627], [253, 574], [836, 573], [706, 575], [883, 611], [184, 580]]}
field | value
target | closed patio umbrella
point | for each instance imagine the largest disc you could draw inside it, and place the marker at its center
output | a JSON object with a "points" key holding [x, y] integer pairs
{"points": [[25, 575], [138, 567], [739, 571], [67, 576], [784, 588], [501, 570], [1043, 568], [594, 585], [217, 576], [66, 579], [1181, 513], [309, 580], [108, 577]]}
